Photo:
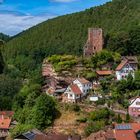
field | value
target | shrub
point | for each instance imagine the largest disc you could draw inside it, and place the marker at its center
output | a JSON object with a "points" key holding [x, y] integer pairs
{"points": [[82, 120], [99, 114], [94, 127]]}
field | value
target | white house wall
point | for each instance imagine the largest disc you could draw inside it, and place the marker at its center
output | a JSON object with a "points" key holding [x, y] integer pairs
{"points": [[71, 96], [124, 72], [83, 87]]}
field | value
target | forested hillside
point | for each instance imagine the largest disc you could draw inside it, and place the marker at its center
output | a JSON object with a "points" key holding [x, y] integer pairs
{"points": [[4, 37], [120, 20]]}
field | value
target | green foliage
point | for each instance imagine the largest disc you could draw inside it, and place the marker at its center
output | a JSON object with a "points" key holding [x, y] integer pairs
{"points": [[119, 119], [94, 127], [90, 75], [12, 71], [127, 119], [26, 96], [72, 107], [126, 43], [8, 89], [105, 57], [125, 89], [101, 101], [82, 120], [99, 114], [43, 112], [4, 37], [63, 62], [37, 110], [76, 108], [67, 34], [20, 128], [137, 79], [2, 65]]}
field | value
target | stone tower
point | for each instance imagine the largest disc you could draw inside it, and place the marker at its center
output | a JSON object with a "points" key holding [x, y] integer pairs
{"points": [[94, 43]]}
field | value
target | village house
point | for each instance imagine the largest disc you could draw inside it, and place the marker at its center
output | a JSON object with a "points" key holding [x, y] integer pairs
{"points": [[101, 74], [124, 131], [77, 90], [124, 69], [38, 135], [130, 131], [83, 84], [30, 135], [134, 108], [133, 61], [72, 94], [5, 122]]}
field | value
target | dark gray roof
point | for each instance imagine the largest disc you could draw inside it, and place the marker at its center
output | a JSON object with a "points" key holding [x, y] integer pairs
{"points": [[29, 135], [123, 127]]}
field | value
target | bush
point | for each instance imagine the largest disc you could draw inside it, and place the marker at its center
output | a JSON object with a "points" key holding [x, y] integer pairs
{"points": [[72, 107], [94, 127], [62, 62], [75, 108], [82, 120], [100, 102], [20, 128], [100, 114]]}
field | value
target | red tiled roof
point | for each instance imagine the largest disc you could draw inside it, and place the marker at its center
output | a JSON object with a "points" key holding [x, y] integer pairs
{"points": [[55, 137], [110, 134], [104, 72], [128, 134], [83, 80], [5, 123], [121, 65], [7, 113], [5, 119], [131, 59], [75, 89]]}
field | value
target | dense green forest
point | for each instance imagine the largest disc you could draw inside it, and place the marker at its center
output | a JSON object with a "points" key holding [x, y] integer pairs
{"points": [[22, 56], [4, 37], [120, 20]]}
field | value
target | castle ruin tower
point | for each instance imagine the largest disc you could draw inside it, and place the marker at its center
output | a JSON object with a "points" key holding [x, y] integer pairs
{"points": [[94, 43]]}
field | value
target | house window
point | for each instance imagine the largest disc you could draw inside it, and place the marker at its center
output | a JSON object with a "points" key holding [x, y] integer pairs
{"points": [[133, 109], [70, 95], [137, 103]]}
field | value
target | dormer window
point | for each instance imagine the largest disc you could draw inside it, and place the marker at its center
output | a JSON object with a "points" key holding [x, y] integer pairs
{"points": [[137, 103]]}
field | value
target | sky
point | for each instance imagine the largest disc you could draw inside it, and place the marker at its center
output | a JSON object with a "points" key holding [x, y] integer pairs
{"points": [[19, 15]]}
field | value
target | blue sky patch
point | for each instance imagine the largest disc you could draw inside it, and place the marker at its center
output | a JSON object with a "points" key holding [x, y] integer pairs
{"points": [[18, 15]]}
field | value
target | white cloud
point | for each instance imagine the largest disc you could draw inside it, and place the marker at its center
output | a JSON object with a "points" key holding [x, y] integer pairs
{"points": [[14, 23], [62, 0]]}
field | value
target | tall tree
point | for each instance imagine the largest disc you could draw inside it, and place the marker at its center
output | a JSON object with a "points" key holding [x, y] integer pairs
{"points": [[43, 111]]}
